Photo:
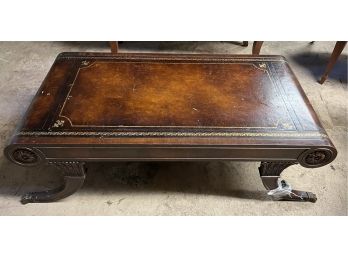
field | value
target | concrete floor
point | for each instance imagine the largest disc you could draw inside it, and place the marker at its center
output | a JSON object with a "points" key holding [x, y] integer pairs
{"points": [[198, 188]]}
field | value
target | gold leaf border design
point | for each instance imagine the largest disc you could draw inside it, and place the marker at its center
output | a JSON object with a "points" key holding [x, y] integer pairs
{"points": [[87, 64]]}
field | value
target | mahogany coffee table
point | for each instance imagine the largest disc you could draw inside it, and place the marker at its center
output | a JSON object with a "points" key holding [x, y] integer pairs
{"points": [[160, 107]]}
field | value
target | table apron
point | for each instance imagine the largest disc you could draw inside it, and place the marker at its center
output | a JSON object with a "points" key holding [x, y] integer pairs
{"points": [[170, 153]]}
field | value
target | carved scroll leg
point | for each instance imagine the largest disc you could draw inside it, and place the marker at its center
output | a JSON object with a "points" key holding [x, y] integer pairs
{"points": [[279, 189], [74, 176]]}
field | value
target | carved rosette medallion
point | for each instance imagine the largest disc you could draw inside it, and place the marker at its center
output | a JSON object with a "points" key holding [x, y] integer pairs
{"points": [[317, 157], [25, 156]]}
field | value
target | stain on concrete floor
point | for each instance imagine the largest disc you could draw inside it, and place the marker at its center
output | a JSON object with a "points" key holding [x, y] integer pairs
{"points": [[194, 188]]}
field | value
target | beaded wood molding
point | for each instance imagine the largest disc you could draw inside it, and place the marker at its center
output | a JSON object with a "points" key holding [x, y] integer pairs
{"points": [[172, 134]]}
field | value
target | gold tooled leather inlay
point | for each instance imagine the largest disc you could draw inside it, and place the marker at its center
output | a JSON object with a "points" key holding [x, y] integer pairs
{"points": [[173, 134]]}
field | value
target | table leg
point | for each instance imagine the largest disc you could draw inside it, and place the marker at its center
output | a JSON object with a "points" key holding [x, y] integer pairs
{"points": [[74, 176], [334, 56], [279, 189], [257, 47], [114, 46]]}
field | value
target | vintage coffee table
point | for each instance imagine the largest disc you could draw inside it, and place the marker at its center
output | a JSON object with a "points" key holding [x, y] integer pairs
{"points": [[160, 107]]}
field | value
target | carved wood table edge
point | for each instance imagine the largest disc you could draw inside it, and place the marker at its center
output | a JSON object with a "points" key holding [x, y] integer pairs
{"points": [[251, 108]]}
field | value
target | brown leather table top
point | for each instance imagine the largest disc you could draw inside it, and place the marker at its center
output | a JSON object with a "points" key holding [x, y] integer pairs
{"points": [[95, 100]]}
